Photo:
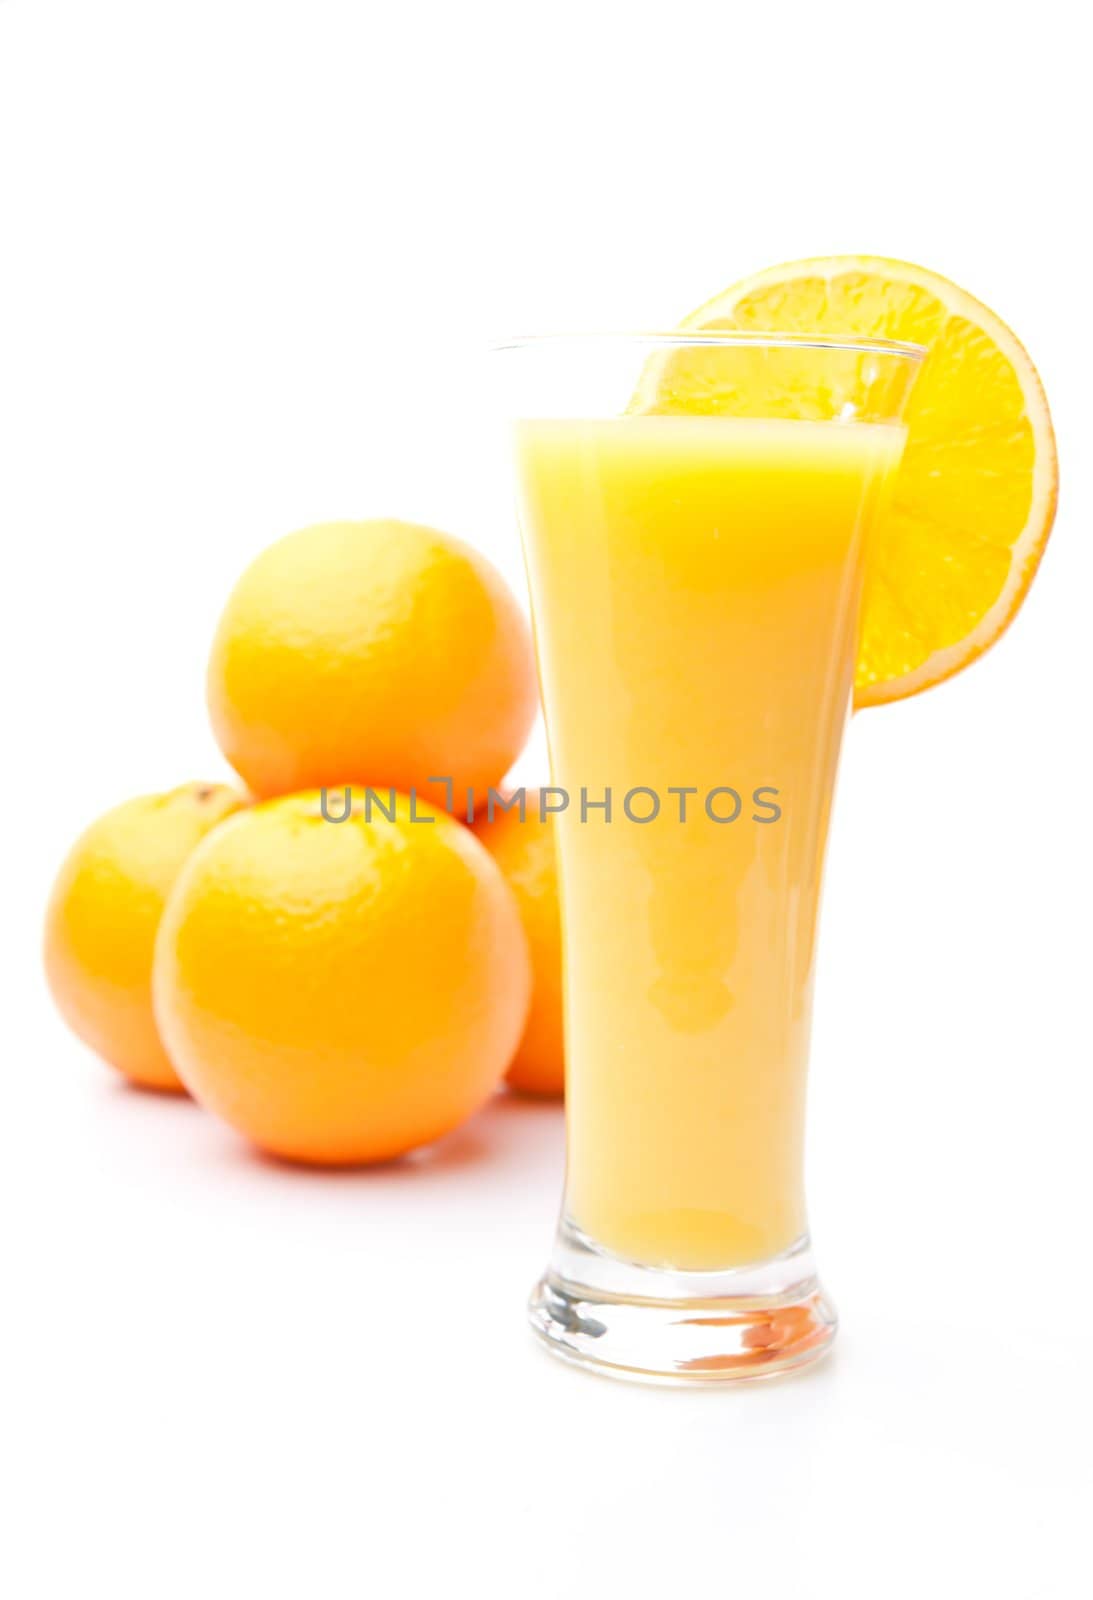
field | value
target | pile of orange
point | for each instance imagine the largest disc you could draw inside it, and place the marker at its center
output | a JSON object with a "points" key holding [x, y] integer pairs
{"points": [[339, 982], [331, 960]]}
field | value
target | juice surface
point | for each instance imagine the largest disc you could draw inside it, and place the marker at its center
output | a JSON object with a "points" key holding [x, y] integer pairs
{"points": [[696, 586]]}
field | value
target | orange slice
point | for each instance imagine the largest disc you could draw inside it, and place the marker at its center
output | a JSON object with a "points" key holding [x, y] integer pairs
{"points": [[954, 554]]}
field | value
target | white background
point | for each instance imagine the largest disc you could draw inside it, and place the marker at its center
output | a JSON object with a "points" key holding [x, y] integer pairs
{"points": [[250, 256]]}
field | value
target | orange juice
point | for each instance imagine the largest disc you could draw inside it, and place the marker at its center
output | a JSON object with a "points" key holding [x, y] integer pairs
{"points": [[696, 584]]}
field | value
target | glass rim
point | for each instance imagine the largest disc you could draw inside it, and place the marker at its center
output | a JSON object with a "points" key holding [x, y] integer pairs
{"points": [[713, 339]]}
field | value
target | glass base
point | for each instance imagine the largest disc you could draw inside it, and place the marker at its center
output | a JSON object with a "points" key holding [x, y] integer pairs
{"points": [[658, 1325]]}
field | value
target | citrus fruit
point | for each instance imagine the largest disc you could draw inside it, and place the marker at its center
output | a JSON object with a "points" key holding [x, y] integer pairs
{"points": [[341, 992], [380, 653], [102, 919], [953, 556], [524, 850]]}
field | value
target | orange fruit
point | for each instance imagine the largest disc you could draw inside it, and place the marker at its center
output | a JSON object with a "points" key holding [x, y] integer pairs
{"points": [[103, 915], [974, 500], [378, 653], [524, 850], [341, 992]]}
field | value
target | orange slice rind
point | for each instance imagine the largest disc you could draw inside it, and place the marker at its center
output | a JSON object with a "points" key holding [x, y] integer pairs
{"points": [[954, 553]]}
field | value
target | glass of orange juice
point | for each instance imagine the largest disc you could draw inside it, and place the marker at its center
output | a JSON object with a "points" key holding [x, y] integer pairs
{"points": [[696, 568]]}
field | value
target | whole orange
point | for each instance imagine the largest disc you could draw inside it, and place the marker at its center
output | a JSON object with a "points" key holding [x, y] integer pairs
{"points": [[103, 915], [523, 847], [341, 992], [379, 653]]}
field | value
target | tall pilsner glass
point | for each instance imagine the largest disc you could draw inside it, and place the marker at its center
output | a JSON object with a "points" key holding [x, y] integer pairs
{"points": [[695, 513]]}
